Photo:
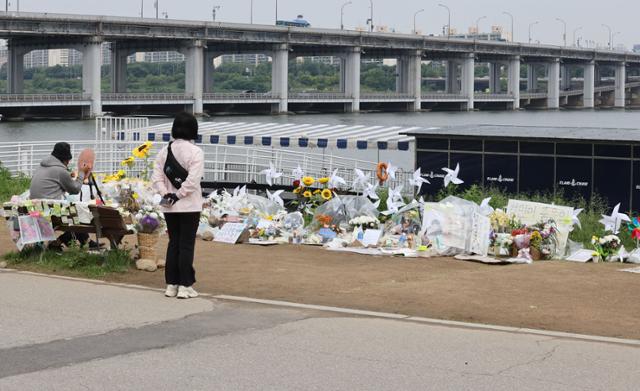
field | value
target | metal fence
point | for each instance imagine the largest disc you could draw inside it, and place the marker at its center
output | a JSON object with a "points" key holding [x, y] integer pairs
{"points": [[43, 97]]}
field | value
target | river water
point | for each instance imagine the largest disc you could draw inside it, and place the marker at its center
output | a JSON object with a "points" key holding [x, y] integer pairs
{"points": [[85, 130]]}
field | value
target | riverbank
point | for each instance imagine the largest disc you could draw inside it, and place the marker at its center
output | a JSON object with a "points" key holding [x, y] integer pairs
{"points": [[594, 299]]}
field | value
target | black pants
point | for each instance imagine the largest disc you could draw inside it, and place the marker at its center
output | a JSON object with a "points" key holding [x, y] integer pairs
{"points": [[182, 228], [68, 237]]}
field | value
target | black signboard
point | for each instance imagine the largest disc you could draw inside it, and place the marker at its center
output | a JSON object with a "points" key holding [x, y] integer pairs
{"points": [[501, 171], [612, 180], [537, 174], [636, 187], [573, 177]]}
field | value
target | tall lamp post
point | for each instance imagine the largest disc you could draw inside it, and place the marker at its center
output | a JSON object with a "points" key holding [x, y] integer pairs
{"points": [[564, 31], [251, 12], [371, 15], [142, 8], [276, 12], [156, 5], [448, 20], [342, 14], [478, 25], [510, 16], [574, 42], [530, 26], [414, 20], [215, 11], [610, 36]]}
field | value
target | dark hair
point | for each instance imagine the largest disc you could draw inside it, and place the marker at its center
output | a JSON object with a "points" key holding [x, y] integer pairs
{"points": [[185, 126]]}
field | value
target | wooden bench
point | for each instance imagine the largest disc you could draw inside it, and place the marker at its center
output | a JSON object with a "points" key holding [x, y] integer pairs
{"points": [[107, 223]]}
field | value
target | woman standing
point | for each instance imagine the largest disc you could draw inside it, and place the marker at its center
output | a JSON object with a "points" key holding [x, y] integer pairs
{"points": [[176, 176]]}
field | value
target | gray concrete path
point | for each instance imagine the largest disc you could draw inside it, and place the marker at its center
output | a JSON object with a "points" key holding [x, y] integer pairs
{"points": [[68, 335]]}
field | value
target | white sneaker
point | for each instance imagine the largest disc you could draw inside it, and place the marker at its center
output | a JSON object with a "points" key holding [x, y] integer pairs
{"points": [[171, 291], [186, 292]]}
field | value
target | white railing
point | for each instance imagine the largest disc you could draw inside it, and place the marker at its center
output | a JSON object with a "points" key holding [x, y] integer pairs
{"points": [[239, 96], [385, 96], [489, 96], [318, 95], [442, 95], [223, 163], [533, 95]]}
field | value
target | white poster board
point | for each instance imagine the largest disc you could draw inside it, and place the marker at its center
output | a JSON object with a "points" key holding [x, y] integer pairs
{"points": [[534, 212], [230, 233], [371, 237], [480, 231]]}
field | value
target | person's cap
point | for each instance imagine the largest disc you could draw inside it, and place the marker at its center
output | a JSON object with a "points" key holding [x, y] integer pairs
{"points": [[62, 151]]}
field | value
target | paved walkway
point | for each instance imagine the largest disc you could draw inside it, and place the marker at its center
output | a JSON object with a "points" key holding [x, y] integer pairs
{"points": [[58, 334]]}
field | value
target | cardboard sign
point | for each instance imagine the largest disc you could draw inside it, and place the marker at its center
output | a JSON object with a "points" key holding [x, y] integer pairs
{"points": [[230, 233], [533, 213]]}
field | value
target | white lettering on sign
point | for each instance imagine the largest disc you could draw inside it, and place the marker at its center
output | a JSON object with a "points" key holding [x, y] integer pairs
{"points": [[500, 179], [434, 175], [573, 183]]}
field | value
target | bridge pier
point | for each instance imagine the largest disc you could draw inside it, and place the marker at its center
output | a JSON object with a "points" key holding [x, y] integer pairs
{"points": [[194, 74], [468, 80], [280, 78], [532, 78], [409, 78], [92, 75], [495, 69], [209, 70], [119, 68], [621, 80], [553, 84], [565, 77], [15, 69], [452, 84], [350, 79], [513, 82], [589, 86]]}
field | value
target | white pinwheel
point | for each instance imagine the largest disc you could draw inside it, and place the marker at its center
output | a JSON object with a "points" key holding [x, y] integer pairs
{"points": [[335, 181], [485, 208], [371, 191], [394, 201], [271, 173], [574, 218], [612, 223], [391, 171], [452, 176], [361, 180], [418, 180], [275, 197], [297, 173], [240, 191]]}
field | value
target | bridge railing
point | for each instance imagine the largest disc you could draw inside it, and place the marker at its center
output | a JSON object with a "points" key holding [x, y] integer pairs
{"points": [[145, 96], [385, 95], [44, 97], [442, 95], [533, 95], [239, 96], [484, 95], [318, 95]]}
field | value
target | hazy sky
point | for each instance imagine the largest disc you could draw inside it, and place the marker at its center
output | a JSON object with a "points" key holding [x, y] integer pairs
{"points": [[621, 15]]}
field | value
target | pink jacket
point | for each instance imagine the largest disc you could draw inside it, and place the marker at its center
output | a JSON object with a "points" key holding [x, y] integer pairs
{"points": [[191, 158]]}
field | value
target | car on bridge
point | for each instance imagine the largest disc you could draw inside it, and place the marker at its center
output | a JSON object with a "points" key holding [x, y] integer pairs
{"points": [[297, 22]]}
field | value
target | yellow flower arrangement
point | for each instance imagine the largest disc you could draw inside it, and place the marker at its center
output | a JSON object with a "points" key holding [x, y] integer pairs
{"points": [[121, 174], [297, 190], [323, 181], [142, 151], [326, 194], [135, 196], [128, 162], [307, 194], [317, 191], [308, 181]]}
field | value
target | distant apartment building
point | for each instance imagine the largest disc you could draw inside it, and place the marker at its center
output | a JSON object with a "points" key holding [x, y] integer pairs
{"points": [[497, 33], [244, 59]]}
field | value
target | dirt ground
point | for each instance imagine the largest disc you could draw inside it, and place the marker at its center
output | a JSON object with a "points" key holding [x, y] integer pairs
{"points": [[594, 299]]}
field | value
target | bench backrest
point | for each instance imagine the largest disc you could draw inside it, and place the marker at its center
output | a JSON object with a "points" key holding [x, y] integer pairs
{"points": [[110, 219]]}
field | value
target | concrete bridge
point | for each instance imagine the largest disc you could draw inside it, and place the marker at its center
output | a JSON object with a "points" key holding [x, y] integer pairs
{"points": [[548, 82]]}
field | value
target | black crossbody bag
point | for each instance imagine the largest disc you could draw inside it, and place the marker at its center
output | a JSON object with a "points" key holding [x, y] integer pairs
{"points": [[173, 170]]}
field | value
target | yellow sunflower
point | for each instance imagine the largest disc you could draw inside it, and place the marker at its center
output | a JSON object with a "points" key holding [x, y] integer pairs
{"points": [[317, 191], [308, 181], [323, 180], [142, 151], [327, 194], [307, 194], [128, 162], [121, 174], [297, 190]]}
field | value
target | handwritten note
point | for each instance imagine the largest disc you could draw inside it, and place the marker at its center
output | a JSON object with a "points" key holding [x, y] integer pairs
{"points": [[371, 237], [230, 233], [480, 231]]}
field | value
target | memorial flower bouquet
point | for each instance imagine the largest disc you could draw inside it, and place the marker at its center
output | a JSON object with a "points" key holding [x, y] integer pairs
{"points": [[149, 220], [606, 247], [365, 222], [311, 193], [539, 240], [501, 222]]}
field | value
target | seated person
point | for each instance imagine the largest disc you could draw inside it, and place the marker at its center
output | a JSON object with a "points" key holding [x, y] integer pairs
{"points": [[52, 180]]}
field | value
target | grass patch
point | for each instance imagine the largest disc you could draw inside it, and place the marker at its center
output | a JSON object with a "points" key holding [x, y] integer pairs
{"points": [[10, 186], [74, 261]]}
